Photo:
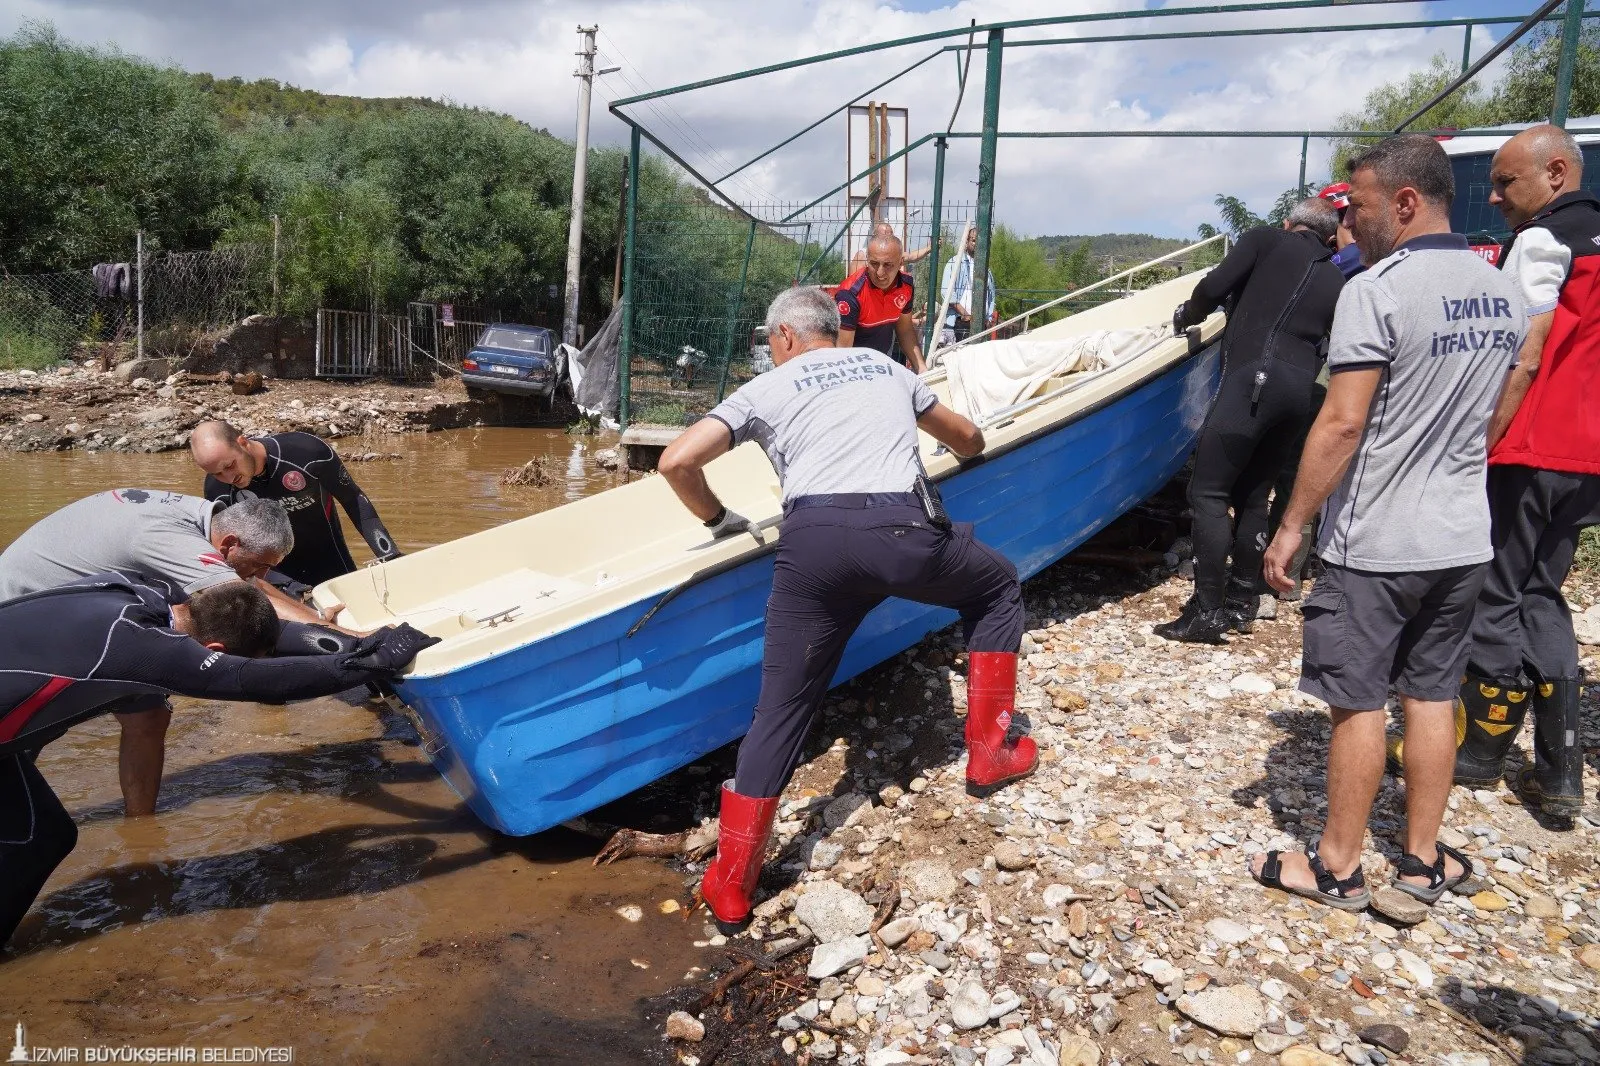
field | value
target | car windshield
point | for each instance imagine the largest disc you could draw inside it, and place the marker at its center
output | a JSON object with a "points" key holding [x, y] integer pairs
{"points": [[515, 340]]}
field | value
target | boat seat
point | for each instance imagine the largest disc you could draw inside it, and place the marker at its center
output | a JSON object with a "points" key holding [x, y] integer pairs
{"points": [[512, 595]]}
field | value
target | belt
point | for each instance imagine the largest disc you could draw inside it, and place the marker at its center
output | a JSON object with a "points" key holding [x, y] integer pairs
{"points": [[854, 500]]}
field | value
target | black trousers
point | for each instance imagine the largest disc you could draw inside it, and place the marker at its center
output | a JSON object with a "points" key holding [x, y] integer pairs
{"points": [[1241, 452], [835, 564], [36, 833], [1522, 617]]}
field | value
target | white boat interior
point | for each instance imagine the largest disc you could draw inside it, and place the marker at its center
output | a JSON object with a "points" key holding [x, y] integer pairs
{"points": [[633, 542]]}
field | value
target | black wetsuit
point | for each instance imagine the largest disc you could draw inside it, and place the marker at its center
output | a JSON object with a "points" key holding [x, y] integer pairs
{"points": [[89, 648], [307, 475], [1282, 288]]}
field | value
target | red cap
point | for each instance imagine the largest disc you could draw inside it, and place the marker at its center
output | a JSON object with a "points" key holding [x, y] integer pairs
{"points": [[1338, 194]]}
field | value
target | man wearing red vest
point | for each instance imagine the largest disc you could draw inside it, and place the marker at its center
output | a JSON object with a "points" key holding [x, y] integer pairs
{"points": [[1544, 478]]}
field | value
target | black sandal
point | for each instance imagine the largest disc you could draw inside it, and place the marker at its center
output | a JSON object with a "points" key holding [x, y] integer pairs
{"points": [[1438, 884], [1349, 894]]}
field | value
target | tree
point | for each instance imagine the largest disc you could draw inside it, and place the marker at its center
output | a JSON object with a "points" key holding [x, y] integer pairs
{"points": [[1236, 217], [1078, 269], [1528, 91], [1389, 105], [95, 145]]}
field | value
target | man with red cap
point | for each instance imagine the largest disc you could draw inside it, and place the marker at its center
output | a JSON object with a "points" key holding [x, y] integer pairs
{"points": [[1348, 257]]}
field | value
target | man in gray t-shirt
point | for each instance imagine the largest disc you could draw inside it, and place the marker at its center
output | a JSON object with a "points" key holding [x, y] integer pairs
{"points": [[1421, 346], [871, 409], [840, 426], [159, 534]]}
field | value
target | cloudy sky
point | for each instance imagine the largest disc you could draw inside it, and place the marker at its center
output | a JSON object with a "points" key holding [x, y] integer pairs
{"points": [[516, 56]]}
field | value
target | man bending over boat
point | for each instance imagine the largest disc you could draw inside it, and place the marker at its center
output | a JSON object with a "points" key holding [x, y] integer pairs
{"points": [[80, 650], [1280, 287], [861, 523], [192, 544]]}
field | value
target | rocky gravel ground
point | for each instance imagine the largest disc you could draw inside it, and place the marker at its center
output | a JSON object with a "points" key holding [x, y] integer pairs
{"points": [[1101, 911], [84, 407]]}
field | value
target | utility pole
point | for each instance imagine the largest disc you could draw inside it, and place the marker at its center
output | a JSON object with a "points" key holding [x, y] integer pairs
{"points": [[580, 166]]}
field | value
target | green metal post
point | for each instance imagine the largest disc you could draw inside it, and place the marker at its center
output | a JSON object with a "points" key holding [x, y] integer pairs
{"points": [[1305, 143], [991, 129], [630, 291], [1570, 30], [733, 313], [800, 259], [1466, 50], [935, 296]]}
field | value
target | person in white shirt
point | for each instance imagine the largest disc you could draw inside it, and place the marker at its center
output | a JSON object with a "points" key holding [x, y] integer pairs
{"points": [[957, 288]]}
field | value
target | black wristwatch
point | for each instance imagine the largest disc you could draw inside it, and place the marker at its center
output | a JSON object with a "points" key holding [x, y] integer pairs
{"points": [[722, 512]]}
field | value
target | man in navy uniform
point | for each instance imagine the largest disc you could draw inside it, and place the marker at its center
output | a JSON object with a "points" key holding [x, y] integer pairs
{"points": [[840, 427]]}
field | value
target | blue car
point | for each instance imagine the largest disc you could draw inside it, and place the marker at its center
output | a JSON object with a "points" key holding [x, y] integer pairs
{"points": [[518, 360]]}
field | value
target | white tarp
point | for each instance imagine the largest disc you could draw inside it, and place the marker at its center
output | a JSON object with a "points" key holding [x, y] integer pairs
{"points": [[987, 377]]}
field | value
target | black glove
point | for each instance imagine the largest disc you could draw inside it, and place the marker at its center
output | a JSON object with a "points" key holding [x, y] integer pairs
{"points": [[728, 523], [391, 649], [1180, 319]]}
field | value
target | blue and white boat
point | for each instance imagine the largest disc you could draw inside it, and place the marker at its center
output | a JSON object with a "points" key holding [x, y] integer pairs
{"points": [[638, 648]]}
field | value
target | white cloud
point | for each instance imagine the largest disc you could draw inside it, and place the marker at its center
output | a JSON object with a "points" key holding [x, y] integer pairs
{"points": [[516, 56]]}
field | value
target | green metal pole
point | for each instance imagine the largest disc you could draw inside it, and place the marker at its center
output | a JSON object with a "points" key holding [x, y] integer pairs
{"points": [[935, 296], [1466, 50], [630, 291], [1305, 143], [733, 313], [991, 129], [800, 260], [1570, 30]]}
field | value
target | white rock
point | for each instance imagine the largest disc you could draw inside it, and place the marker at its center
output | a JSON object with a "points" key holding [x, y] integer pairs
{"points": [[1419, 972], [898, 931], [1253, 684], [928, 879], [887, 1057], [969, 1007], [631, 912], [840, 955], [1161, 971], [681, 1025], [1234, 1010], [1226, 931], [1056, 895], [833, 912], [1587, 626]]}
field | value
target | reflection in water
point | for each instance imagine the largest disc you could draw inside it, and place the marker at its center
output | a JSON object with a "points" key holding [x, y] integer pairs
{"points": [[309, 879]]}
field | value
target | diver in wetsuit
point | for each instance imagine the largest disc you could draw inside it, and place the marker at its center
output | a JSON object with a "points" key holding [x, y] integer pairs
{"points": [[1281, 287], [306, 475], [88, 648]]}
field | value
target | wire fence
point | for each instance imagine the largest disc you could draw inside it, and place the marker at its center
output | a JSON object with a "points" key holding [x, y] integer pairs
{"points": [[704, 275], [74, 314]]}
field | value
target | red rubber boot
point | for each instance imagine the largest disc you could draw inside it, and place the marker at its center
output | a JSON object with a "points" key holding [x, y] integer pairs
{"points": [[731, 878], [991, 694]]}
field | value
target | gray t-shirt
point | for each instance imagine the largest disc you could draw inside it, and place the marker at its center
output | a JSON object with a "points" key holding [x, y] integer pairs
{"points": [[834, 420], [1444, 326], [162, 534]]}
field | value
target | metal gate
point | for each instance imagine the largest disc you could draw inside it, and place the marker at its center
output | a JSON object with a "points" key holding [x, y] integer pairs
{"points": [[361, 344]]}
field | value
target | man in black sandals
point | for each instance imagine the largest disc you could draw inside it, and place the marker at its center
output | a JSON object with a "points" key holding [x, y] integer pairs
{"points": [[1421, 348]]}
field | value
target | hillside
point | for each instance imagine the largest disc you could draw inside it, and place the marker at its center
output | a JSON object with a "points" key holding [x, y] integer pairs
{"points": [[236, 101], [1125, 247]]}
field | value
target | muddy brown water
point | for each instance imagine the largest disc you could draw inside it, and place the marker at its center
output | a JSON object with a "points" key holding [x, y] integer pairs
{"points": [[309, 881]]}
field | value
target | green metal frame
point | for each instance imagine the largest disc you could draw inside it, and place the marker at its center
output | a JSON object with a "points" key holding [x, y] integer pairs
{"points": [[995, 44]]}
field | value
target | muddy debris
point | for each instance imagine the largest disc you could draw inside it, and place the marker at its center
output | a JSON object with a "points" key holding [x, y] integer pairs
{"points": [[83, 407], [1102, 912]]}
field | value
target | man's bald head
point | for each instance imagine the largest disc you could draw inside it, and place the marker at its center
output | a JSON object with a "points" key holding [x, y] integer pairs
{"points": [[885, 256], [223, 452], [1532, 169]]}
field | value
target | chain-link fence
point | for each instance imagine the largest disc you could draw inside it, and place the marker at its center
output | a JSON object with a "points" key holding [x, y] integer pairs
{"points": [[45, 318], [704, 275]]}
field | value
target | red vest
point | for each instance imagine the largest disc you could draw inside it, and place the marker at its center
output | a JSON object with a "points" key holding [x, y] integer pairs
{"points": [[1558, 425]]}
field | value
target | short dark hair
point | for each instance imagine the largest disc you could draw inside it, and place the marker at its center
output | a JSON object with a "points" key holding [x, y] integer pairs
{"points": [[1409, 159], [236, 615]]}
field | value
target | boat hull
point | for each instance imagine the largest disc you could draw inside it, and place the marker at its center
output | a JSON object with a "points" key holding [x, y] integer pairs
{"points": [[550, 730]]}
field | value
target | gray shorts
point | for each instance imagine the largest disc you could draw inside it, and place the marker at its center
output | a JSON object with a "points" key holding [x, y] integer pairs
{"points": [[1366, 632]]}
